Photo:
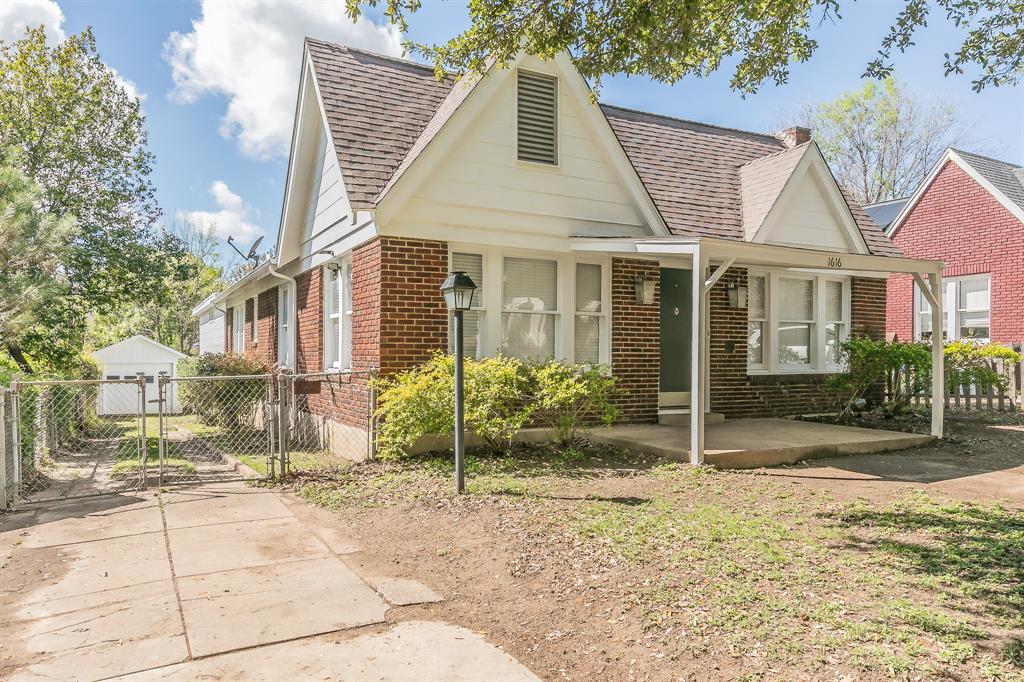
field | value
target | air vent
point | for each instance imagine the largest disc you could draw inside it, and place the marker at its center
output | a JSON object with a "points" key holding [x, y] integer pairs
{"points": [[538, 118]]}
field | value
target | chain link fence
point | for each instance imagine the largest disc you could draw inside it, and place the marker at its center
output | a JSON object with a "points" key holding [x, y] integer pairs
{"points": [[329, 419], [64, 439]]}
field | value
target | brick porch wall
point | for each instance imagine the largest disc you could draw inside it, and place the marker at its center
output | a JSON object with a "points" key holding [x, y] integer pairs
{"points": [[635, 339], [735, 394]]}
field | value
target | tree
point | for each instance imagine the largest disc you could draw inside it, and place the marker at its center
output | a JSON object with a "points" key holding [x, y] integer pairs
{"points": [[82, 139], [31, 245], [881, 140], [670, 39]]}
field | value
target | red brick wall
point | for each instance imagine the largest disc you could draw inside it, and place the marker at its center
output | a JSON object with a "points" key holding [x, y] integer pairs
{"points": [[265, 347], [734, 393], [961, 224], [636, 338], [309, 299]]}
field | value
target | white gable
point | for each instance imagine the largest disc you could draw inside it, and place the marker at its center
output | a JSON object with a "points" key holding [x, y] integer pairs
{"points": [[810, 212], [475, 189], [137, 348]]}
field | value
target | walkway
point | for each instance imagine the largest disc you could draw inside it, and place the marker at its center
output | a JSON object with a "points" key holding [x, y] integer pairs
{"points": [[214, 582]]}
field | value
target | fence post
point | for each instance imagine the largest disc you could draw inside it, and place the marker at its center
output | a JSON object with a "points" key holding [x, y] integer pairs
{"points": [[3, 449], [161, 393], [16, 434], [282, 424], [143, 440], [270, 419]]}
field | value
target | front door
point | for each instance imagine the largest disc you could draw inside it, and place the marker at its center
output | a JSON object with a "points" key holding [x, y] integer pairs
{"points": [[676, 322]]}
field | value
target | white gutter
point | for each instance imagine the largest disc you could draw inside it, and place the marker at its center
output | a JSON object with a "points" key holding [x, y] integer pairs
{"points": [[293, 314]]}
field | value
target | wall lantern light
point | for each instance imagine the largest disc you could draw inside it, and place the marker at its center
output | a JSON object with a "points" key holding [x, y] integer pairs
{"points": [[737, 295], [644, 290]]}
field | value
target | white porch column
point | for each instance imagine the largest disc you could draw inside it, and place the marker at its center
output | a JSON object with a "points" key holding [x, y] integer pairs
{"points": [[697, 355], [938, 370]]}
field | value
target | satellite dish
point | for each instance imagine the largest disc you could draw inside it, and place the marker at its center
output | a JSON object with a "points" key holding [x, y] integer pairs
{"points": [[252, 249]]}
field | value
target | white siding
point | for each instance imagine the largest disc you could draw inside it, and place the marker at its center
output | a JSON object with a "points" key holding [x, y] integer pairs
{"points": [[211, 332], [808, 219], [326, 203], [481, 184]]}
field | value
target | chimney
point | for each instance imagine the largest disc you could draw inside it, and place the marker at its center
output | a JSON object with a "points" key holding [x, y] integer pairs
{"points": [[794, 136]]}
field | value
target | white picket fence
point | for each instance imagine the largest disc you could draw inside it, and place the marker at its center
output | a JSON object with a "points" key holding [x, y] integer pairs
{"points": [[972, 397]]}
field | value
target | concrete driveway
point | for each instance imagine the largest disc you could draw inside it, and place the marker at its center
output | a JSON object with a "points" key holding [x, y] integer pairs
{"points": [[215, 582]]}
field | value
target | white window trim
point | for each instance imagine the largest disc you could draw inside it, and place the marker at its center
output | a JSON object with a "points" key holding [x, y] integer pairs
{"points": [[255, 332], [238, 328], [770, 337], [951, 313], [492, 305], [333, 283], [284, 330]]}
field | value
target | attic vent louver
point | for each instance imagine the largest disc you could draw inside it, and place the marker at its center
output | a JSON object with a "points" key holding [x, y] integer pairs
{"points": [[538, 118]]}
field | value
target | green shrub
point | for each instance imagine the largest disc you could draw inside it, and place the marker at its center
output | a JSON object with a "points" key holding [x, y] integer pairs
{"points": [[566, 396], [421, 401], [905, 368], [969, 363], [229, 403]]}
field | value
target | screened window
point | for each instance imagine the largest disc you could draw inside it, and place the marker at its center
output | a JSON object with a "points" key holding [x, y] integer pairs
{"points": [[338, 316], [973, 308], [835, 322], [590, 311], [472, 320], [757, 319], [529, 308], [238, 328], [796, 321]]}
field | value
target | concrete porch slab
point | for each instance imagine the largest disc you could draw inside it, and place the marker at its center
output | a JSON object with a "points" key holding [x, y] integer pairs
{"points": [[752, 443], [249, 607]]}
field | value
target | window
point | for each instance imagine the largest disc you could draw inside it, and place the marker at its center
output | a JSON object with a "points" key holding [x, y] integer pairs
{"points": [[796, 322], [254, 319], [757, 319], [238, 328], [537, 118], [472, 320], [965, 309], [590, 312], [529, 308], [338, 314], [284, 321]]}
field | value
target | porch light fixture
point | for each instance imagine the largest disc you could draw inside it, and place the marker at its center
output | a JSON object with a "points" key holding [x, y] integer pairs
{"points": [[644, 290], [458, 290], [737, 295]]}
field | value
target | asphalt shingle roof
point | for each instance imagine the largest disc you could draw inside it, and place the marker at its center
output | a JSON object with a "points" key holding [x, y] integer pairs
{"points": [[1007, 177], [383, 112]]}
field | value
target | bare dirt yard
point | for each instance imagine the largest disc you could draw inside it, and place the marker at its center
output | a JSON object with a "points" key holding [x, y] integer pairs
{"points": [[598, 564]]}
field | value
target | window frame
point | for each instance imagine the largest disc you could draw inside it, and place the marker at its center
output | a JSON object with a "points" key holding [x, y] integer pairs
{"points": [[284, 330], [238, 328], [951, 310], [763, 320], [491, 305], [340, 357], [770, 337]]}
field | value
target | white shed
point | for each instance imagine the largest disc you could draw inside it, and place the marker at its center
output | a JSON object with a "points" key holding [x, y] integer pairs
{"points": [[124, 360]]}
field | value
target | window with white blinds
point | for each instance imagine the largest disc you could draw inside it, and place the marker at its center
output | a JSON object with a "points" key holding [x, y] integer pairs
{"points": [[472, 320], [529, 308], [590, 312], [338, 316], [795, 322], [537, 118], [534, 307]]}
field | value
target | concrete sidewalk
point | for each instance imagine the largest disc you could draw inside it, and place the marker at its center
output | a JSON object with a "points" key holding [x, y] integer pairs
{"points": [[220, 582]]}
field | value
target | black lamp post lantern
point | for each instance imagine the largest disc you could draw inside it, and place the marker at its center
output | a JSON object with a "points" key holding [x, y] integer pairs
{"points": [[458, 290]]}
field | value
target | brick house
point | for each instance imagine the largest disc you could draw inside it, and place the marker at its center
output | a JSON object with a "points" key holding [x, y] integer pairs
{"points": [[704, 265], [968, 213]]}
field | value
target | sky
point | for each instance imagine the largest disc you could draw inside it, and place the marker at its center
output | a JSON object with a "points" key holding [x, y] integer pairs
{"points": [[218, 81]]}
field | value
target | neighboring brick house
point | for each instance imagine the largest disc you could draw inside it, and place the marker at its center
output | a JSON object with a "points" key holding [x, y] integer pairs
{"points": [[581, 223], [968, 213]]}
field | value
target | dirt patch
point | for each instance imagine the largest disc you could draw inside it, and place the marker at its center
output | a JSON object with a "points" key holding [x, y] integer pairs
{"points": [[607, 565]]}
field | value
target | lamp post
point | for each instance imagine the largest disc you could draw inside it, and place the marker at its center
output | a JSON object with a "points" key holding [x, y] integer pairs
{"points": [[458, 289]]}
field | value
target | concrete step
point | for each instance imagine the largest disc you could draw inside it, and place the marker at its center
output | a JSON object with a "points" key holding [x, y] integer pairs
{"points": [[680, 416]]}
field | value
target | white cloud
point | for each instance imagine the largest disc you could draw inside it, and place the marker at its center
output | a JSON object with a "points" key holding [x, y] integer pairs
{"points": [[129, 86], [250, 53], [17, 15], [234, 219]]}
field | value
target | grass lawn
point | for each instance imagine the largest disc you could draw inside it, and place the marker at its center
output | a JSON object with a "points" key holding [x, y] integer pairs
{"points": [[599, 563]]}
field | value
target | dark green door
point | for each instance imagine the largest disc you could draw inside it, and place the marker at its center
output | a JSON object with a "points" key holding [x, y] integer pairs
{"points": [[676, 299]]}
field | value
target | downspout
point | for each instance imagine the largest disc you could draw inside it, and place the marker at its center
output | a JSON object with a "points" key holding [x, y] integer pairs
{"points": [[293, 322]]}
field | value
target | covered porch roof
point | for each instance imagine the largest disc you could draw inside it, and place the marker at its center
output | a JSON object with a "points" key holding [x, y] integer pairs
{"points": [[711, 257]]}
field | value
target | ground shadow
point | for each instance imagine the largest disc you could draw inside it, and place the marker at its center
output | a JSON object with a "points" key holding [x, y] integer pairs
{"points": [[38, 513]]}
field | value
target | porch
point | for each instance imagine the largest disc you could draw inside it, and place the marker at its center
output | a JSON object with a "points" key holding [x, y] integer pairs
{"points": [[752, 443]]}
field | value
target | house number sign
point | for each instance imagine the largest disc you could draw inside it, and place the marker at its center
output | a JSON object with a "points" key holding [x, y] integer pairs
{"points": [[835, 262]]}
